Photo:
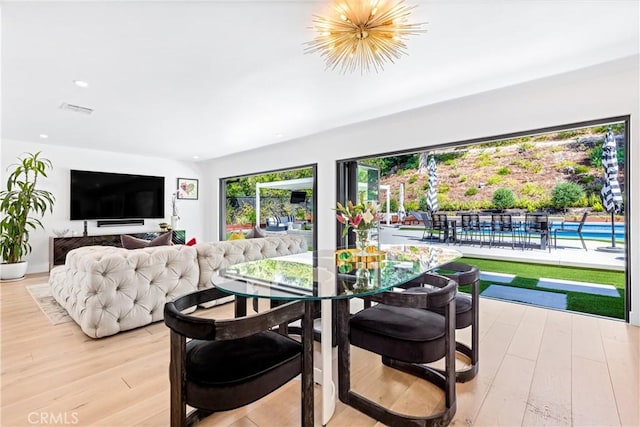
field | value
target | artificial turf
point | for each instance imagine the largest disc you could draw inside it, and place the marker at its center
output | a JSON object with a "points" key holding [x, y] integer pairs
{"points": [[527, 276]]}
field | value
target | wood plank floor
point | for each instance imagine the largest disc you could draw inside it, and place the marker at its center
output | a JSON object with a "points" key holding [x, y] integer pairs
{"points": [[538, 367]]}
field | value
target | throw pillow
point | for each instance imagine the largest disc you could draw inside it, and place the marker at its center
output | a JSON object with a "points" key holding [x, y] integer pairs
{"points": [[255, 232], [236, 235], [191, 242], [130, 242]]}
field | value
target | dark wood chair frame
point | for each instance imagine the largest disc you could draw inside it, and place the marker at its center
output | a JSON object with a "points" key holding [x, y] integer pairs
{"points": [[464, 275], [444, 296], [185, 326]]}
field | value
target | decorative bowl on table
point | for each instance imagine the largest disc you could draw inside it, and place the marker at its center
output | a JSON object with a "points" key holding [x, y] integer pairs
{"points": [[60, 232]]}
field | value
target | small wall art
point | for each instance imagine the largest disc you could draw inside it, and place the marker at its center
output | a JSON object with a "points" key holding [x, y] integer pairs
{"points": [[187, 188]]}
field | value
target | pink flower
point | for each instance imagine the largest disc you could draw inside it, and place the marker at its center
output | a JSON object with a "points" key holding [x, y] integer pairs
{"points": [[356, 220], [341, 219]]}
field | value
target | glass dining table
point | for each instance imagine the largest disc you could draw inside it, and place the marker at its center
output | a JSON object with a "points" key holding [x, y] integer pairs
{"points": [[327, 276]]}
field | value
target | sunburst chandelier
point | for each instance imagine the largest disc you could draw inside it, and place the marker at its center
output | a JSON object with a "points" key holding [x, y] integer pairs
{"points": [[363, 34]]}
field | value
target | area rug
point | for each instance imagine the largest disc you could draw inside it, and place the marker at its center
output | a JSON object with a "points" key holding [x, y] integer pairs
{"points": [[41, 294]]}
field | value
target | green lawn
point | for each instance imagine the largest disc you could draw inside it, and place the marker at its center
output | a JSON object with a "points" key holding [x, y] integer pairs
{"points": [[527, 276]]}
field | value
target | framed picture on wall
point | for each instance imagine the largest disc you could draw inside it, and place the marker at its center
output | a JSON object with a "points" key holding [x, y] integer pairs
{"points": [[187, 188]]}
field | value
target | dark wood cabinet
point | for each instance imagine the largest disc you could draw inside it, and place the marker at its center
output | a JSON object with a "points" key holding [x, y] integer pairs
{"points": [[60, 246]]}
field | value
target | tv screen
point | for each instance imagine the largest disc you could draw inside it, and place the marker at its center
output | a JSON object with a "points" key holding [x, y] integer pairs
{"points": [[102, 195], [298, 197]]}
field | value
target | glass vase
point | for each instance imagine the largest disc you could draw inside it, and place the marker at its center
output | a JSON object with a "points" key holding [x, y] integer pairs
{"points": [[362, 240]]}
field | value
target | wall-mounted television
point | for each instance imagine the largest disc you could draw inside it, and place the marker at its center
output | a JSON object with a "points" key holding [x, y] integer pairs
{"points": [[103, 195], [298, 197]]}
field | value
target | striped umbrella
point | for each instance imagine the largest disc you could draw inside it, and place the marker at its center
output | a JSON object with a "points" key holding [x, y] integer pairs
{"points": [[432, 193], [610, 193]]}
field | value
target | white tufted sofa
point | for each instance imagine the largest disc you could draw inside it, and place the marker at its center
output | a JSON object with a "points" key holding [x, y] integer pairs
{"points": [[107, 289]]}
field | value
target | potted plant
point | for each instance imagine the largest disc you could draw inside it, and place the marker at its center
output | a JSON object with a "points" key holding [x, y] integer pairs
{"points": [[21, 203]]}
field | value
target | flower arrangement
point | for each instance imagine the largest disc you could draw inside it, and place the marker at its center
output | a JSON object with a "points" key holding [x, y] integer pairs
{"points": [[361, 218]]}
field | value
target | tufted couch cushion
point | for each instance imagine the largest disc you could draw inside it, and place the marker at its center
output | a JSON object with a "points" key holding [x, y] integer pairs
{"points": [[213, 256], [107, 290]]}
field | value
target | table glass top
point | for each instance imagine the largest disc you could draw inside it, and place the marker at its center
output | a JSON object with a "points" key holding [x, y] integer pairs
{"points": [[329, 274]]}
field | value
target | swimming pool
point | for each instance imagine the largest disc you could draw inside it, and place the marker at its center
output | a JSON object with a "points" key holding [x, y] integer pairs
{"points": [[592, 231]]}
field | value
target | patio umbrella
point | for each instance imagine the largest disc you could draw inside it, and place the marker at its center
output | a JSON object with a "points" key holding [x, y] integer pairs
{"points": [[401, 212], [610, 193], [432, 193]]}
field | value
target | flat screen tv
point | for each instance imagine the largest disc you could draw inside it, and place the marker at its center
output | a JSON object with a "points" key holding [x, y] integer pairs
{"points": [[298, 197], [103, 195]]}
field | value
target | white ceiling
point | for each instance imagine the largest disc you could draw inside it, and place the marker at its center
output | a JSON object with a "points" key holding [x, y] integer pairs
{"points": [[182, 79]]}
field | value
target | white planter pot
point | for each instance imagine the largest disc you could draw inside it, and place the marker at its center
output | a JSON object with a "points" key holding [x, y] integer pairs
{"points": [[15, 271], [174, 221]]}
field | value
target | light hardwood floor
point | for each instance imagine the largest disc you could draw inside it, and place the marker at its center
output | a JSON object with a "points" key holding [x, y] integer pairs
{"points": [[538, 367]]}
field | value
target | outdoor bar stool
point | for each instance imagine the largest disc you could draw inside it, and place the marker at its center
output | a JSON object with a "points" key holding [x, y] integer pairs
{"points": [[467, 311], [407, 335]]}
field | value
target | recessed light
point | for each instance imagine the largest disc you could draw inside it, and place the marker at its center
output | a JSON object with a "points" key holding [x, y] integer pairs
{"points": [[278, 135], [44, 136], [196, 157], [81, 83]]}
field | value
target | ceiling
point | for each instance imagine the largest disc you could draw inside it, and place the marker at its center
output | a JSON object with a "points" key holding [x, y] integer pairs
{"points": [[210, 78]]}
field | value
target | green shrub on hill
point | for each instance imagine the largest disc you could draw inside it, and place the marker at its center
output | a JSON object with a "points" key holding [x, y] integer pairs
{"points": [[566, 194], [471, 191], [503, 198]]}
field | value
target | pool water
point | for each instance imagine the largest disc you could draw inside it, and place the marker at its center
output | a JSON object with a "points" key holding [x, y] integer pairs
{"points": [[594, 231]]}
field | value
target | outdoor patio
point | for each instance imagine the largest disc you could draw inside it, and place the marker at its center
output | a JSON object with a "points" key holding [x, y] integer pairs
{"points": [[569, 252]]}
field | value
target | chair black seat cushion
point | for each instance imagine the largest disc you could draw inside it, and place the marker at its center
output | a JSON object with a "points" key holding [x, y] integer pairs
{"points": [[235, 365], [464, 309], [395, 332]]}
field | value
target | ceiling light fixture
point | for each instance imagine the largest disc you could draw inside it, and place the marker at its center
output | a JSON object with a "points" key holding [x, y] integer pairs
{"points": [[44, 136], [363, 34], [81, 83]]}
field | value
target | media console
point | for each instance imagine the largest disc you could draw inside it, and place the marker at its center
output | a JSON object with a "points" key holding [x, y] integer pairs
{"points": [[60, 246]]}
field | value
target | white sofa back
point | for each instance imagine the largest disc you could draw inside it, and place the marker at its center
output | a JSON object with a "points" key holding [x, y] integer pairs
{"points": [[107, 289], [214, 256]]}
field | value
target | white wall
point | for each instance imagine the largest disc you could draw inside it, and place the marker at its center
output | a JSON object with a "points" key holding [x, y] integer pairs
{"points": [[607, 90], [64, 159]]}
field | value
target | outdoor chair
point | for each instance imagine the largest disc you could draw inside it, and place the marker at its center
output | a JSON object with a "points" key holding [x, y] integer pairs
{"points": [[440, 224], [537, 224], [402, 329], [427, 222], [471, 227], [577, 230], [501, 225], [230, 363]]}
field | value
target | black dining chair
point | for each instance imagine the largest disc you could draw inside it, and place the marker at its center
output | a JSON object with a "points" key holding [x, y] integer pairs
{"points": [[230, 363], [402, 329], [467, 312]]}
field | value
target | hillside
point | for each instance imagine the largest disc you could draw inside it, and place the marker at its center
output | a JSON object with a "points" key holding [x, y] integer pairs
{"points": [[468, 176]]}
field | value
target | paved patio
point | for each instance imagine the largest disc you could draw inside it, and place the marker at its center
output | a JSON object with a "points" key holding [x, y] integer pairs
{"points": [[568, 252]]}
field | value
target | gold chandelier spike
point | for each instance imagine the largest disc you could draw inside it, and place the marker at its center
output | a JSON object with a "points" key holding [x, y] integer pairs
{"points": [[363, 34]]}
